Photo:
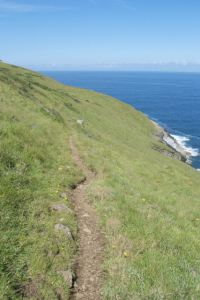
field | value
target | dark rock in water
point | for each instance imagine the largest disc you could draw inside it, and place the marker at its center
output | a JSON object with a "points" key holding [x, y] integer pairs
{"points": [[64, 229], [69, 277], [60, 207]]}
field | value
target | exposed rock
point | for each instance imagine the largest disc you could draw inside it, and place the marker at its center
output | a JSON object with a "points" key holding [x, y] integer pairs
{"points": [[64, 229], [69, 277], [171, 142], [59, 207], [85, 215], [80, 122], [167, 139], [63, 195], [87, 230]]}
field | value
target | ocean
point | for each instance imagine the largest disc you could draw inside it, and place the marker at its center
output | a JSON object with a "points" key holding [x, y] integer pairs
{"points": [[170, 99]]}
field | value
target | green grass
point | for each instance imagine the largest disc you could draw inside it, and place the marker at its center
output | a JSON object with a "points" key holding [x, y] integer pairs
{"points": [[148, 204], [35, 167]]}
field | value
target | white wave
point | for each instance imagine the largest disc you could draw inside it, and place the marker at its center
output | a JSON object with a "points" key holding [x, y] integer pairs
{"points": [[183, 142]]}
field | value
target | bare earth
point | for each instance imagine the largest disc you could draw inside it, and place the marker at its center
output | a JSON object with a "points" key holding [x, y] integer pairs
{"points": [[88, 266]]}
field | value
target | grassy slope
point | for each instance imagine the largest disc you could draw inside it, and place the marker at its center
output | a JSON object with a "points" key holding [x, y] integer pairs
{"points": [[148, 204]]}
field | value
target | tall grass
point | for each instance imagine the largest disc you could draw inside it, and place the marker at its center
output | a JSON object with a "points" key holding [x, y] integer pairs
{"points": [[148, 203], [35, 167]]}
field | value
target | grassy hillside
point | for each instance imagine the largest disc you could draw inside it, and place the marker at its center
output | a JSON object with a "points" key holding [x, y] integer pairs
{"points": [[148, 204]]}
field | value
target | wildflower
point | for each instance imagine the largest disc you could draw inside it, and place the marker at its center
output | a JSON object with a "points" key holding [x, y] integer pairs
{"points": [[125, 254]]}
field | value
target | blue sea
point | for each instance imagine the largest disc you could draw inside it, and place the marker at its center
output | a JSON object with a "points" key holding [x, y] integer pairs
{"points": [[171, 99]]}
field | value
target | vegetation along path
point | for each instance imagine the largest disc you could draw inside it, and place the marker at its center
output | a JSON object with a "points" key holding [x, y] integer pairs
{"points": [[88, 266]]}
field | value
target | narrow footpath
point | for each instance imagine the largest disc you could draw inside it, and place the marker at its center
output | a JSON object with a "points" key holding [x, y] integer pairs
{"points": [[89, 257]]}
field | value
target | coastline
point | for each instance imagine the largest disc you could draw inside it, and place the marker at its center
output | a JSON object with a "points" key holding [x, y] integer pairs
{"points": [[166, 138]]}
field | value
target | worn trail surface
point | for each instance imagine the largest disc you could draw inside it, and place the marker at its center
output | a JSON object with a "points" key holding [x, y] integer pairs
{"points": [[88, 266]]}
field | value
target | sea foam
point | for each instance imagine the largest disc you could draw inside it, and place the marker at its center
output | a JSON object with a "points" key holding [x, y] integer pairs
{"points": [[183, 142]]}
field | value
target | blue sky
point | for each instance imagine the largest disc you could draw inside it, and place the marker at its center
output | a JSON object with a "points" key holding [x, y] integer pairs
{"points": [[101, 34]]}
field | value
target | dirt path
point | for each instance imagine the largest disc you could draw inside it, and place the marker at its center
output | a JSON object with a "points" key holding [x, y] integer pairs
{"points": [[88, 266]]}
